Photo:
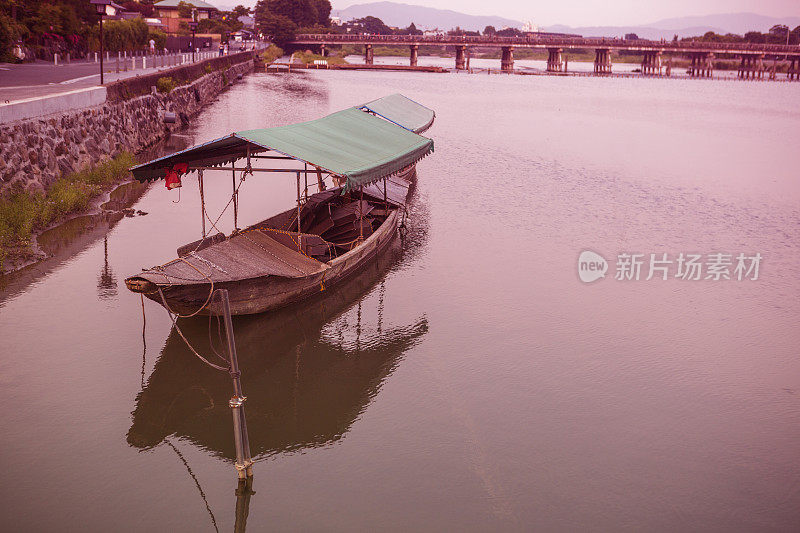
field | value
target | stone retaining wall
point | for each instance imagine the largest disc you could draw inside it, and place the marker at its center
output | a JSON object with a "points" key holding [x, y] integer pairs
{"points": [[35, 152]]}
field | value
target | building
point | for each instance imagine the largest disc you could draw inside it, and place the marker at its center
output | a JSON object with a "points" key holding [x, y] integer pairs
{"points": [[168, 12]]}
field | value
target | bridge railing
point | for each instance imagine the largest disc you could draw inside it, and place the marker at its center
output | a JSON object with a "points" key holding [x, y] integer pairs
{"points": [[533, 40]]}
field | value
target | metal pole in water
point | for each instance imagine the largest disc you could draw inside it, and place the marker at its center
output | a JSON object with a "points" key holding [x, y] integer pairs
{"points": [[243, 492], [202, 201], [244, 464], [299, 238], [235, 200]]}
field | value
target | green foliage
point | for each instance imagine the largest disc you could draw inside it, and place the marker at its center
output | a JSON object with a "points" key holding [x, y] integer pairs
{"points": [[56, 18], [280, 19], [306, 57], [279, 28], [22, 213], [372, 25], [159, 37], [165, 84], [410, 30], [776, 35], [184, 10], [222, 27], [271, 53], [121, 35], [241, 11], [10, 33]]}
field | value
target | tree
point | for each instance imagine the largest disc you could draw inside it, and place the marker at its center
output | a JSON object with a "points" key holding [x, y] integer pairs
{"points": [[411, 30], [300, 12], [241, 11], [779, 30], [10, 33], [144, 7], [372, 25], [489, 30], [185, 10], [755, 37], [159, 37], [280, 30], [509, 32], [323, 8]]}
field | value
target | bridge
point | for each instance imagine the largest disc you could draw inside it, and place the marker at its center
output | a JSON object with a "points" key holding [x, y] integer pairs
{"points": [[701, 53]]}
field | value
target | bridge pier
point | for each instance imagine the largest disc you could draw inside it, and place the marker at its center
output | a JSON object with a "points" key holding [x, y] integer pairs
{"points": [[651, 63], [368, 54], [507, 59], [707, 65], [793, 73], [554, 62], [414, 55], [751, 67], [702, 65], [322, 50], [602, 61], [461, 57]]}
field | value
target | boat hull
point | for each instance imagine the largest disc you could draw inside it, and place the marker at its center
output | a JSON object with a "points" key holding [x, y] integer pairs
{"points": [[266, 293]]}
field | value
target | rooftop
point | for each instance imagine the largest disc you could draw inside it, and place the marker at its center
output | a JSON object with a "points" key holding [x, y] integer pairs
{"points": [[199, 4]]}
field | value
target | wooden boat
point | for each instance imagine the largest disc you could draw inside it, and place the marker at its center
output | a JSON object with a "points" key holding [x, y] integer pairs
{"points": [[340, 374], [369, 152]]}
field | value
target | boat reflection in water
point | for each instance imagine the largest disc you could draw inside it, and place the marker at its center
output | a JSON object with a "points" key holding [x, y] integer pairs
{"points": [[308, 372]]}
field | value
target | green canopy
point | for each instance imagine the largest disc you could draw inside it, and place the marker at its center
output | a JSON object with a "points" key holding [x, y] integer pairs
{"points": [[403, 111], [351, 143]]}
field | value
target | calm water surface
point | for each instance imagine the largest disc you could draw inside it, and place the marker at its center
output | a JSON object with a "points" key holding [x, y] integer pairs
{"points": [[469, 380]]}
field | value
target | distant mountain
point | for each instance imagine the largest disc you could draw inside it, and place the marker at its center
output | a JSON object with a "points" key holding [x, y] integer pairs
{"points": [[644, 32], [401, 15], [738, 23], [731, 22]]}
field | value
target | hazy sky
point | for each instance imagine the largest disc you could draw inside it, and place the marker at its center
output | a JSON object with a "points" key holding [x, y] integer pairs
{"points": [[594, 12]]}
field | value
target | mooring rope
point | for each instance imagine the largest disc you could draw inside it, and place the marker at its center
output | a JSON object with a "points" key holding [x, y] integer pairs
{"points": [[174, 319]]}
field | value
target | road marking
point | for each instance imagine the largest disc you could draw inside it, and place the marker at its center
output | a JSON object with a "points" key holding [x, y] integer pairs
{"points": [[74, 80]]}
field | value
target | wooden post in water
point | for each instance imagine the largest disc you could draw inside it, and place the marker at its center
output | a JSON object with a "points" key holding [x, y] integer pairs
{"points": [[244, 463]]}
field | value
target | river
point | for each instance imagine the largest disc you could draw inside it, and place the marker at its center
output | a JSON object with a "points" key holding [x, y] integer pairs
{"points": [[470, 380]]}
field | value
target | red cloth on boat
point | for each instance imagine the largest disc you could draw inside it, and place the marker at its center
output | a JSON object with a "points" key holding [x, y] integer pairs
{"points": [[174, 175]]}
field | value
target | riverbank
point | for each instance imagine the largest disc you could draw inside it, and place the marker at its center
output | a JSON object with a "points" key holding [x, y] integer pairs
{"points": [[53, 166]]}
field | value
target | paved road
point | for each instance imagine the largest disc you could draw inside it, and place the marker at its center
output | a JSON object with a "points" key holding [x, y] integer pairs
{"points": [[30, 80]]}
